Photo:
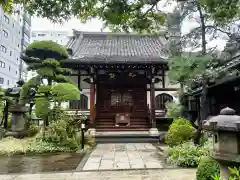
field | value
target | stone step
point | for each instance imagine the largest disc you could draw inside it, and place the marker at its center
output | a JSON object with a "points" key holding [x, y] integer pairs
{"points": [[113, 123], [140, 136]]}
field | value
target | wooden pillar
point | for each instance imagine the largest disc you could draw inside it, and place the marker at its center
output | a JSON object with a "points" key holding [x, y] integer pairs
{"points": [[79, 80], [92, 101], [163, 79], [92, 96], [152, 103], [78, 102]]}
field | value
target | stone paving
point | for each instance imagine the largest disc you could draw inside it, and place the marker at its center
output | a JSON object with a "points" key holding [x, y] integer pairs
{"points": [[158, 174], [124, 156]]}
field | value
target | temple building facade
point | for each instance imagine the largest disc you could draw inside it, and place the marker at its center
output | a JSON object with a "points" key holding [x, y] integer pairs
{"points": [[122, 79]]}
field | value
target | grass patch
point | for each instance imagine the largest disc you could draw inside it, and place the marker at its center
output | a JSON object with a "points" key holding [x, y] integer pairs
{"points": [[28, 146]]}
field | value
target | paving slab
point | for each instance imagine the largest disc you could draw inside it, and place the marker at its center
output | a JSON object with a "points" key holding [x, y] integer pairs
{"points": [[124, 156], [158, 174]]}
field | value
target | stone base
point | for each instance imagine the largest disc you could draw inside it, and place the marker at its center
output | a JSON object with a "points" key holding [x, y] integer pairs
{"points": [[91, 132], [15, 134], [153, 132]]}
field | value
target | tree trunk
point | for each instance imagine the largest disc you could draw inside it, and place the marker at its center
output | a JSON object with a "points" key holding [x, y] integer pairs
{"points": [[181, 88], [203, 102], [5, 115]]}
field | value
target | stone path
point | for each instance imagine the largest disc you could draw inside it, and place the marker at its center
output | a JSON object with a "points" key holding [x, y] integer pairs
{"points": [[124, 156], [158, 174]]}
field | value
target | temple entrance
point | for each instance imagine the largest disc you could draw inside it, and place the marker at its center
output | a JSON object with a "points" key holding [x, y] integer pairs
{"points": [[121, 105]]}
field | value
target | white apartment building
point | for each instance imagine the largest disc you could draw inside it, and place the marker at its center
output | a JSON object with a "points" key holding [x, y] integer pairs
{"points": [[58, 36], [15, 36]]}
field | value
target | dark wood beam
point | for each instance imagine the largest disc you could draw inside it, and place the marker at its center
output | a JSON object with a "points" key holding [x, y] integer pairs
{"points": [[163, 79], [164, 89], [79, 79]]}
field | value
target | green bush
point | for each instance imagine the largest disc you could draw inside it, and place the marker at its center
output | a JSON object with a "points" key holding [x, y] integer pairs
{"points": [[61, 132], [179, 132], [187, 154], [207, 169], [33, 129], [38, 147], [234, 174]]}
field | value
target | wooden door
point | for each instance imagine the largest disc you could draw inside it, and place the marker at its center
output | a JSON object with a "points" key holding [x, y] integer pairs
{"points": [[121, 100]]}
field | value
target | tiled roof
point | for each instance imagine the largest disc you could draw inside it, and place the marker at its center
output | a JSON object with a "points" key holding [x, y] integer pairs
{"points": [[117, 47]]}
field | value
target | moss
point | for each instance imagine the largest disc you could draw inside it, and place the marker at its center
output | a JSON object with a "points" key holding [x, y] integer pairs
{"points": [[46, 49]]}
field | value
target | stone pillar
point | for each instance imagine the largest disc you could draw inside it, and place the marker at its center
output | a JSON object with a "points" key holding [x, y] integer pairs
{"points": [[153, 131]]}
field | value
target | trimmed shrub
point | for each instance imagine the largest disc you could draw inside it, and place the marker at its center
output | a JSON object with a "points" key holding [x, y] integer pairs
{"points": [[187, 154], [179, 132], [43, 49], [207, 169]]}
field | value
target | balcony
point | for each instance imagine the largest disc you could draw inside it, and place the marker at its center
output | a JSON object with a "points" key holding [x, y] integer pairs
{"points": [[26, 30], [24, 42], [27, 18]]}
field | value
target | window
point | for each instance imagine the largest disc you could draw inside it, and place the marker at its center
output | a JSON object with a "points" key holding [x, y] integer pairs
{"points": [[161, 99], [42, 34], [9, 68], [2, 64], [18, 45], [10, 53], [16, 72], [3, 49], [7, 82], [13, 25], [6, 19], [5, 33], [79, 104], [1, 80]]}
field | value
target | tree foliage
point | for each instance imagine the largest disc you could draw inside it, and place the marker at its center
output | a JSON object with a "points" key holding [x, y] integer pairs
{"points": [[65, 92], [53, 81], [46, 49], [222, 11], [180, 69], [119, 15]]}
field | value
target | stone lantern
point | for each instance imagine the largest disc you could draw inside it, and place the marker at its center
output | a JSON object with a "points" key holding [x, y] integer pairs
{"points": [[226, 135]]}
